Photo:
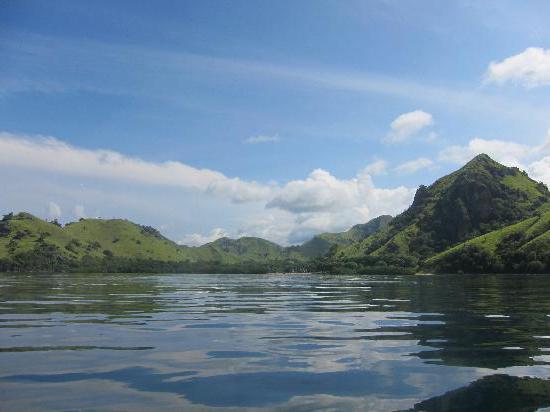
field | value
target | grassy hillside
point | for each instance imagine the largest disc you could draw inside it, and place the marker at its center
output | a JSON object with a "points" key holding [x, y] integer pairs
{"points": [[521, 247], [92, 237], [480, 197], [253, 248], [321, 244], [29, 242]]}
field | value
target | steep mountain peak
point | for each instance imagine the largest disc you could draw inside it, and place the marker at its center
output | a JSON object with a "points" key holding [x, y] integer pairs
{"points": [[482, 196], [483, 159], [481, 166], [483, 162], [483, 170]]}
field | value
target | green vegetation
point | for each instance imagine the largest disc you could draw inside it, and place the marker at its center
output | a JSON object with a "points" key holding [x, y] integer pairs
{"points": [[321, 244], [522, 247], [480, 198], [28, 243], [484, 217], [253, 248]]}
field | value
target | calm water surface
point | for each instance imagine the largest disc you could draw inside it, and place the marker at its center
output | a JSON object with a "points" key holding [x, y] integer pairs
{"points": [[300, 342]]}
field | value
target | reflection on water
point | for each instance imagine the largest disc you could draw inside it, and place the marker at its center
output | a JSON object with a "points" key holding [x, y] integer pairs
{"points": [[275, 342], [498, 393]]}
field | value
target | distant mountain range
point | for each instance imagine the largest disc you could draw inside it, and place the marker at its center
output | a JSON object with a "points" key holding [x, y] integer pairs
{"points": [[30, 243], [485, 217], [321, 244]]}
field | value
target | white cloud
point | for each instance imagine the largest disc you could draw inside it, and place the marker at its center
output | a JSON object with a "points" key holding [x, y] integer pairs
{"points": [[308, 225], [508, 153], [320, 191], [284, 227], [413, 166], [321, 202], [292, 212], [54, 211], [377, 167], [79, 212], [540, 170], [530, 68], [272, 224], [197, 239], [408, 124], [50, 154], [262, 139]]}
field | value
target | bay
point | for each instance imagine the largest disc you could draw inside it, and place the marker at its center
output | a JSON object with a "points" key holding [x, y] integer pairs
{"points": [[274, 342]]}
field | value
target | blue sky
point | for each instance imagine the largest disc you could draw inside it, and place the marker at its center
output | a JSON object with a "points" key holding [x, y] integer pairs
{"points": [[277, 119]]}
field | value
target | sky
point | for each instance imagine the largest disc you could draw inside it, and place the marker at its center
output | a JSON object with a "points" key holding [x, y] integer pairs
{"points": [[274, 119]]}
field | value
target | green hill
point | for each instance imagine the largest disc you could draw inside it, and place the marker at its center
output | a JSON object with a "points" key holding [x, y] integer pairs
{"points": [[253, 248], [321, 244], [91, 237], [521, 247], [480, 197], [30, 243]]}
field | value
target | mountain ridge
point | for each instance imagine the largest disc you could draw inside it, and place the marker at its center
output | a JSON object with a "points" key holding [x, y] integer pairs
{"points": [[321, 244], [25, 237], [477, 213]]}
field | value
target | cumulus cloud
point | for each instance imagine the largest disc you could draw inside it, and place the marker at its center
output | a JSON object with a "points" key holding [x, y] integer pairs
{"points": [[407, 125], [308, 225], [413, 166], [50, 154], [508, 153], [530, 68], [378, 167], [272, 224], [284, 227], [262, 139], [285, 214], [322, 202], [320, 191], [54, 211], [197, 239]]}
